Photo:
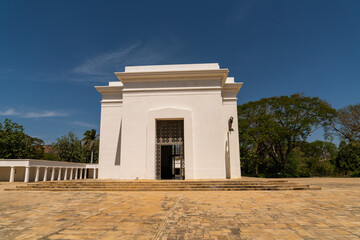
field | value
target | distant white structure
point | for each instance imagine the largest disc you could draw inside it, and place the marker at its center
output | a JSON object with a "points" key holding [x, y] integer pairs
{"points": [[170, 122], [31, 170]]}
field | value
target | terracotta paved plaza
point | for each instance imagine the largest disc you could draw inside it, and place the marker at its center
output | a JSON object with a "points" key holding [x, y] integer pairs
{"points": [[332, 213]]}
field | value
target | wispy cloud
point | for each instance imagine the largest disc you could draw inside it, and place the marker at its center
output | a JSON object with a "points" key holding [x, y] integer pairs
{"points": [[101, 67], [45, 114], [41, 114], [84, 124], [98, 65], [242, 10], [9, 112]]}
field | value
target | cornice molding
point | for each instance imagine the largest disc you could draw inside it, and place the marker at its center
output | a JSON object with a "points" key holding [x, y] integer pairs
{"points": [[220, 74], [109, 89], [170, 89], [111, 101], [229, 99], [233, 86]]}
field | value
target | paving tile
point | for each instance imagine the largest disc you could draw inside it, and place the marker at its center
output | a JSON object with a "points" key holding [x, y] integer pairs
{"points": [[332, 213]]}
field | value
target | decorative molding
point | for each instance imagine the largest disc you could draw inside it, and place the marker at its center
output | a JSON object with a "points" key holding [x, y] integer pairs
{"points": [[109, 89], [236, 86], [111, 101], [229, 99], [170, 89], [220, 74], [172, 93]]}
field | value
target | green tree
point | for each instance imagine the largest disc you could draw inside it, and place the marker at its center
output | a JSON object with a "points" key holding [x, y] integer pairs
{"points": [[69, 148], [90, 142], [347, 123], [272, 128], [15, 144], [348, 157], [323, 151], [318, 157]]}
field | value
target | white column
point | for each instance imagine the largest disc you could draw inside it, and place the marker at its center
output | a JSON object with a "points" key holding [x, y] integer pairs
{"points": [[59, 175], [52, 174], [12, 174], [81, 173], [65, 176], [85, 173], [37, 174], [94, 173], [27, 174], [71, 173], [76, 173], [45, 174]]}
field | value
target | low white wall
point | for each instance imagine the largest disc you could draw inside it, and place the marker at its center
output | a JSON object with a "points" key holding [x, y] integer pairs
{"points": [[20, 165]]}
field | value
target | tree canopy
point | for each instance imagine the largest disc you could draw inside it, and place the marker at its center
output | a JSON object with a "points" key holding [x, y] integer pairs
{"points": [[348, 158], [15, 144], [69, 148], [272, 128], [90, 141], [347, 123]]}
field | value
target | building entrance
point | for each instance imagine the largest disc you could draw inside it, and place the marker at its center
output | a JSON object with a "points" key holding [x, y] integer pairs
{"points": [[170, 162]]}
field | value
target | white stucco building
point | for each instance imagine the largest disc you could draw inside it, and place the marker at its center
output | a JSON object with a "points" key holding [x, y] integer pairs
{"points": [[170, 122]]}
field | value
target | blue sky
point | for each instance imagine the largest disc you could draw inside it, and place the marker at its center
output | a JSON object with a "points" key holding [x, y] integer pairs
{"points": [[52, 53]]}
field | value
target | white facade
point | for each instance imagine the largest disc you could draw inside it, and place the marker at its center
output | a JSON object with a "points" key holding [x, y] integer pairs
{"points": [[200, 95]]}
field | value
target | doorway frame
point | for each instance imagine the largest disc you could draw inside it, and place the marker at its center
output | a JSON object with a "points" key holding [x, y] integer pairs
{"points": [[170, 138], [169, 114]]}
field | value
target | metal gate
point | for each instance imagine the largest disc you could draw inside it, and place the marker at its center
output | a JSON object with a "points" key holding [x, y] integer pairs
{"points": [[171, 132]]}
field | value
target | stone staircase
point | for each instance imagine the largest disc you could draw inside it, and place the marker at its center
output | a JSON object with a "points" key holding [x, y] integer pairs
{"points": [[165, 185]]}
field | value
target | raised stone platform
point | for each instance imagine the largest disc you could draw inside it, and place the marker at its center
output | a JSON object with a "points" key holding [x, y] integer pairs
{"points": [[165, 185]]}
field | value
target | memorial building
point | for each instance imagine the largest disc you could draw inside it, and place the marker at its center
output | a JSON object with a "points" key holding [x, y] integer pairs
{"points": [[170, 122]]}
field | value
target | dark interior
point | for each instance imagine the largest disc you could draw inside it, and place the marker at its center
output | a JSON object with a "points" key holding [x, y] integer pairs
{"points": [[166, 162]]}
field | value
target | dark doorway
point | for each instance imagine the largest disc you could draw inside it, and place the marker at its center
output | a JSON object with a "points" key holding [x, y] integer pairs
{"points": [[171, 162], [166, 162], [169, 149]]}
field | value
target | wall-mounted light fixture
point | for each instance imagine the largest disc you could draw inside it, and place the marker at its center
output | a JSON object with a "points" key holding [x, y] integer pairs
{"points": [[231, 119]]}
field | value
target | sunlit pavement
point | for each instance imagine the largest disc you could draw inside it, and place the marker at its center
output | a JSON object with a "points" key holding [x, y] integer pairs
{"points": [[331, 213]]}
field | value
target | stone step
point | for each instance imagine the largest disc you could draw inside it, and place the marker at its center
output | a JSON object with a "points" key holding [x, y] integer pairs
{"points": [[164, 185], [160, 186], [155, 185], [120, 188], [224, 186], [160, 181], [167, 189]]}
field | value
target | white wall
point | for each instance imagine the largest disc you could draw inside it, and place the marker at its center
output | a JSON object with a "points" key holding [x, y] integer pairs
{"points": [[205, 108], [127, 131], [232, 155], [110, 140]]}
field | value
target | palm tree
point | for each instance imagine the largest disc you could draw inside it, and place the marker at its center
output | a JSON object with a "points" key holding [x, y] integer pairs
{"points": [[89, 140]]}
